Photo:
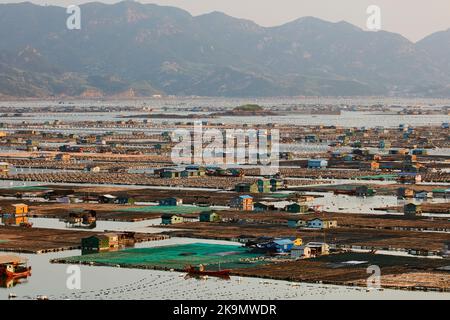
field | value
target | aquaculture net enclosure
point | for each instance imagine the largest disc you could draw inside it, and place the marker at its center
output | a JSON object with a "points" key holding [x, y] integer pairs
{"points": [[167, 209], [176, 257]]}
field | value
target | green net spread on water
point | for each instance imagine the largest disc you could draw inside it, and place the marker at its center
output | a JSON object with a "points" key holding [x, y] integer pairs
{"points": [[28, 188], [176, 257], [167, 209], [378, 177]]}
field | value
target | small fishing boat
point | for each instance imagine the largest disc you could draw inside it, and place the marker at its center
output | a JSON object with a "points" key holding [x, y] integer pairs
{"points": [[200, 271], [14, 267]]}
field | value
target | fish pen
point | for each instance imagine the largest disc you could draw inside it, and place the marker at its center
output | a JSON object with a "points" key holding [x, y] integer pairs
{"points": [[176, 257]]}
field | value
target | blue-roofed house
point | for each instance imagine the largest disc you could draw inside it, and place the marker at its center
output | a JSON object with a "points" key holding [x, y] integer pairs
{"points": [[244, 203], [277, 245], [283, 245]]}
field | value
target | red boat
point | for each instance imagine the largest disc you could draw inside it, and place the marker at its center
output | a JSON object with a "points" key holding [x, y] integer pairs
{"points": [[202, 272], [14, 267]]}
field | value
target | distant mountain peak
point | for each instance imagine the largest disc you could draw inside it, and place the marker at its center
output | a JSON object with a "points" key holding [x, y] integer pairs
{"points": [[130, 48]]}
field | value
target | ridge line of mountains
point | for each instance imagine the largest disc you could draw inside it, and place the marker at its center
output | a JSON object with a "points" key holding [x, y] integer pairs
{"points": [[131, 49]]}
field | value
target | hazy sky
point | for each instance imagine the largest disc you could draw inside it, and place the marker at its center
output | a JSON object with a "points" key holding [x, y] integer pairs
{"points": [[413, 19]]}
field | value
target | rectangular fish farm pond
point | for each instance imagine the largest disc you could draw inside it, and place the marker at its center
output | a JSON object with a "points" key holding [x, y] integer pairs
{"points": [[175, 257]]}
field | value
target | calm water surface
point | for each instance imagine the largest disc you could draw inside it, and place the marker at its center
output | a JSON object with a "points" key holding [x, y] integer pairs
{"points": [[120, 283]]}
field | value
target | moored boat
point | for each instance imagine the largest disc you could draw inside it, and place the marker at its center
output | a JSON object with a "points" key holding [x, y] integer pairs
{"points": [[202, 272], [14, 267]]}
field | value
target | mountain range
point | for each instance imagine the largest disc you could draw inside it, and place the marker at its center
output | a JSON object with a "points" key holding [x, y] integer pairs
{"points": [[133, 49]]}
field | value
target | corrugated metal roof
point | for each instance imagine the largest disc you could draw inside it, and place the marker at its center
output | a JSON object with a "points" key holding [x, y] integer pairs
{"points": [[283, 241]]}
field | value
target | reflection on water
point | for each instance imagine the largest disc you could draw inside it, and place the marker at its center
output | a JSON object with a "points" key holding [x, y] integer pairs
{"points": [[9, 283], [144, 226]]}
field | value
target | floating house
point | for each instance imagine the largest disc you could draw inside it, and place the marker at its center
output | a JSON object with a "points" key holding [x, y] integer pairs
{"points": [[441, 193], [446, 249], [243, 203], [295, 222], [97, 243], [209, 216], [403, 193], [311, 138], [92, 168], [264, 185], [277, 245], [409, 177], [421, 152], [423, 195], [364, 191], [167, 219], [84, 219], [298, 252], [173, 201], [191, 173], [264, 206], [318, 248], [383, 144], [246, 188], [4, 168], [64, 157], [286, 155], [297, 208], [411, 210], [276, 184], [107, 198], [124, 199], [317, 163], [369, 165], [15, 215], [322, 224], [170, 174], [305, 198]]}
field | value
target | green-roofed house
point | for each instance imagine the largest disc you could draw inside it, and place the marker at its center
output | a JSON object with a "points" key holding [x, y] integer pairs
{"points": [[276, 184], [209, 216], [94, 244], [364, 191], [441, 193], [168, 218], [264, 185], [412, 210], [172, 201], [247, 187], [297, 208]]}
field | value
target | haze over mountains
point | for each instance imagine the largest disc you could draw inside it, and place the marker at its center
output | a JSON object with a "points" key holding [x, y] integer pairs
{"points": [[142, 49]]}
